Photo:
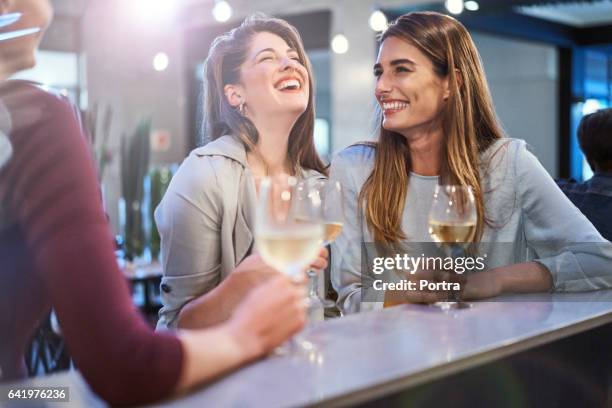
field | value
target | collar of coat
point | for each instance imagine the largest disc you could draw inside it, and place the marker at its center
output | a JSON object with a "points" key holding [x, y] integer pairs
{"points": [[227, 146], [231, 147]]}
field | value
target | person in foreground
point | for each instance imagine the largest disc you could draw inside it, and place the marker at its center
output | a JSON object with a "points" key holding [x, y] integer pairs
{"points": [[438, 126], [259, 116], [56, 250], [594, 196]]}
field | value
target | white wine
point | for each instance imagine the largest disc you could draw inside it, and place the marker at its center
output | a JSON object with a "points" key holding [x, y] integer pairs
{"points": [[291, 248], [452, 232], [332, 230]]}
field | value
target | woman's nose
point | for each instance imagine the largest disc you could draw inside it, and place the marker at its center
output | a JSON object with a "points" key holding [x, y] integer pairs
{"points": [[382, 86], [289, 63]]}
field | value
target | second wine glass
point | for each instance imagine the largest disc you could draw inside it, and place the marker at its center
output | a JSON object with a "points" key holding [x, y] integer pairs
{"points": [[329, 193]]}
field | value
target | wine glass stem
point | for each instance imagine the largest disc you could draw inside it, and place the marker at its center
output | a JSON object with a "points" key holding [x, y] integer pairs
{"points": [[456, 251], [312, 283]]}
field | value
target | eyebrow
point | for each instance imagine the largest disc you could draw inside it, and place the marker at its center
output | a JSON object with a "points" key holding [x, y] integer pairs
{"points": [[396, 62], [272, 50]]}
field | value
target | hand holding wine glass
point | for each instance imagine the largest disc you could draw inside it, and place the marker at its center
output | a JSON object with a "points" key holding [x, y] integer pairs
{"points": [[267, 316]]}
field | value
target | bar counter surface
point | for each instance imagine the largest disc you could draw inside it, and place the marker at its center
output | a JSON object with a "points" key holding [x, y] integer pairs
{"points": [[366, 356]]}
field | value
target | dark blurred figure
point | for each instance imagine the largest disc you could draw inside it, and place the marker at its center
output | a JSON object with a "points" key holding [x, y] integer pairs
{"points": [[56, 250], [594, 196]]}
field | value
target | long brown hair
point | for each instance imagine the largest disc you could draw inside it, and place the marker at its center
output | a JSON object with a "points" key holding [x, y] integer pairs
{"points": [[469, 125], [222, 67]]}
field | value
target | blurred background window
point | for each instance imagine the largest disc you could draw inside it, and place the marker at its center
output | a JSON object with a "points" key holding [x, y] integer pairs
{"points": [[57, 70], [592, 90]]}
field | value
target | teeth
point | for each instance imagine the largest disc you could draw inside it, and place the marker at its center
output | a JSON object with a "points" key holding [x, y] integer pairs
{"points": [[394, 105], [290, 83]]}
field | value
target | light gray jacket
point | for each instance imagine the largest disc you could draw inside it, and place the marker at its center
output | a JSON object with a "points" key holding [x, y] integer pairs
{"points": [[206, 223], [532, 220]]}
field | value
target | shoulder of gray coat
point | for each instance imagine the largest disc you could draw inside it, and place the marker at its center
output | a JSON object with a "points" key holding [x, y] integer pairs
{"points": [[228, 147]]}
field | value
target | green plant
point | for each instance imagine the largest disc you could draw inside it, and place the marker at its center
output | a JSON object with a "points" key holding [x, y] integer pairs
{"points": [[98, 123], [135, 153], [160, 180]]}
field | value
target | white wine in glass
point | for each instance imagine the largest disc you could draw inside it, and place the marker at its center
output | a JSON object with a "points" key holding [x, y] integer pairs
{"points": [[452, 224], [332, 230], [290, 249], [452, 232]]}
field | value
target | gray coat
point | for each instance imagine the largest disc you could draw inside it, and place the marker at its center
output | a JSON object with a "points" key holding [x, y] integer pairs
{"points": [[206, 223]]}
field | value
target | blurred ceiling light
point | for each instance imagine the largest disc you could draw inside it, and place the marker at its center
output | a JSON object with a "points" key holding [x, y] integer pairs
{"points": [[222, 11], [339, 44], [152, 10], [472, 5], [378, 21], [454, 6], [160, 61]]}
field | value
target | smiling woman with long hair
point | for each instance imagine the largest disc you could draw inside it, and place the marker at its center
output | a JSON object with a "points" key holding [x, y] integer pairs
{"points": [[259, 118], [438, 127]]}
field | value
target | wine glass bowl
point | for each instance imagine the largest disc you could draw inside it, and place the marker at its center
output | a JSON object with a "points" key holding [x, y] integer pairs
{"points": [[288, 227], [453, 217], [452, 224], [329, 194]]}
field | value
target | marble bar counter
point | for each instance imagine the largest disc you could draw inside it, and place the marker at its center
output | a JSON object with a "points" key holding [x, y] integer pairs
{"points": [[367, 356]]}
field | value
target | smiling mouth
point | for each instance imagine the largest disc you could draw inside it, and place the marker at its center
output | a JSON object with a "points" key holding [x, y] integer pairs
{"points": [[393, 106], [291, 84]]}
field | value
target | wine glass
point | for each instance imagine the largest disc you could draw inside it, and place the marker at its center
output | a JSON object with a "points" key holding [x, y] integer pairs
{"points": [[452, 224], [288, 230], [329, 192]]}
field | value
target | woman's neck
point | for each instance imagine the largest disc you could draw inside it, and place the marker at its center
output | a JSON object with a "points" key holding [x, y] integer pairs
{"points": [[425, 146], [14, 61], [272, 147], [6, 71]]}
